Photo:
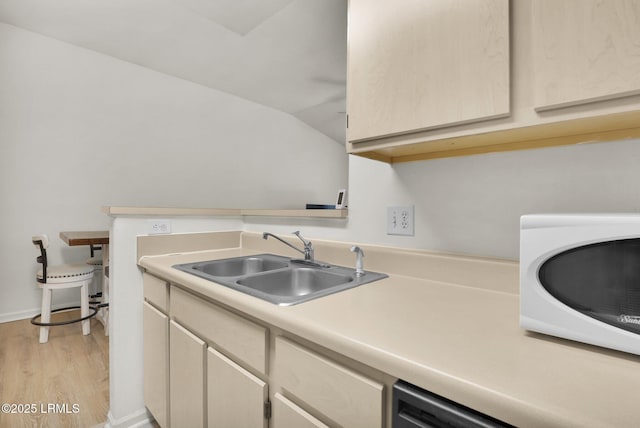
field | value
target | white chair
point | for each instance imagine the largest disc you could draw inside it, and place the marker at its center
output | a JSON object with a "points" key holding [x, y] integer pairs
{"points": [[58, 277]]}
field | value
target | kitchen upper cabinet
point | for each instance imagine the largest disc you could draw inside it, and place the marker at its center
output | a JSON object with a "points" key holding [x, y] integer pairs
{"points": [[440, 78], [416, 65], [585, 51]]}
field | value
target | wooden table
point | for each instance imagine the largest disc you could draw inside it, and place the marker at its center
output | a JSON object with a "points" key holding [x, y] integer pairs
{"points": [[100, 237]]}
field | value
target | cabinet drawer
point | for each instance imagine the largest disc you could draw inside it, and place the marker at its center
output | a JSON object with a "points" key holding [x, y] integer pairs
{"points": [[346, 397], [156, 291], [244, 340]]}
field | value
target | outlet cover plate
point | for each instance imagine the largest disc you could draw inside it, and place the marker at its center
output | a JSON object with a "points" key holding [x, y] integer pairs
{"points": [[400, 220], [158, 227]]}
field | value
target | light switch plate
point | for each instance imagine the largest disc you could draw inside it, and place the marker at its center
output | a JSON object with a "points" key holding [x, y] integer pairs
{"points": [[400, 221], [158, 227]]}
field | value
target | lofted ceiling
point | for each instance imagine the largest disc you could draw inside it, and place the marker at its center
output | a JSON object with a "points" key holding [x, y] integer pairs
{"points": [[286, 54]]}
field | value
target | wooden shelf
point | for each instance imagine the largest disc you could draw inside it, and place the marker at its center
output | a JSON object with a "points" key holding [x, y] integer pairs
{"points": [[215, 212], [298, 213]]}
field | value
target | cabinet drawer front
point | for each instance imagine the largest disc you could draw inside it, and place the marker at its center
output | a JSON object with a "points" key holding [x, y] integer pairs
{"points": [[156, 291], [242, 339], [341, 394], [287, 414]]}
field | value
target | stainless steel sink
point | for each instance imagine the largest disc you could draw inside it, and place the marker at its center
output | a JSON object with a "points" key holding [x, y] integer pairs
{"points": [[279, 280], [239, 266], [294, 282]]}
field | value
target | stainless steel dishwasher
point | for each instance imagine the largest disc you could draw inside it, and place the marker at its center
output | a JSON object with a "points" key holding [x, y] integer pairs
{"points": [[413, 407]]}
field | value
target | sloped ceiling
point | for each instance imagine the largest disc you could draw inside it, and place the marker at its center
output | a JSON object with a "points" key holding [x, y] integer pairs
{"points": [[287, 54]]}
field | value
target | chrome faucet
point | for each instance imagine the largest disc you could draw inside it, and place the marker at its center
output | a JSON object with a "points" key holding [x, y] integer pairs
{"points": [[308, 246], [359, 262]]}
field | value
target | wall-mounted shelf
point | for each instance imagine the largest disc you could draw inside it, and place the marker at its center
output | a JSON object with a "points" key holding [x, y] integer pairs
{"points": [[215, 212]]}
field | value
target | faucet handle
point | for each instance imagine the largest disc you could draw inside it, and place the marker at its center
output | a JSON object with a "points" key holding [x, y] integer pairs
{"points": [[304, 241], [308, 247]]}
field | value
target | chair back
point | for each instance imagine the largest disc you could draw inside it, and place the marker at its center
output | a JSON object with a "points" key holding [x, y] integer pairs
{"points": [[93, 248], [41, 242]]}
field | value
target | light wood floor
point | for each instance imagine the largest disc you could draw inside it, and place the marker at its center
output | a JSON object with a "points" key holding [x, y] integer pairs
{"points": [[71, 371]]}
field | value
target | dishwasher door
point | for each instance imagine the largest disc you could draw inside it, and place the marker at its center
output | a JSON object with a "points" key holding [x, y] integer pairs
{"points": [[414, 407]]}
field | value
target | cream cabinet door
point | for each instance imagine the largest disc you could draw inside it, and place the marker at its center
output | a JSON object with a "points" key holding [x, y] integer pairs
{"points": [[416, 65], [187, 381], [235, 397], [155, 348], [286, 415], [337, 392], [584, 51]]}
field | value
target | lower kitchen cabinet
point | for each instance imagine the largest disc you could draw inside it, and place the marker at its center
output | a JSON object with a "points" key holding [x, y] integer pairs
{"points": [[187, 377], [155, 351], [337, 392], [205, 365], [236, 398], [287, 414]]}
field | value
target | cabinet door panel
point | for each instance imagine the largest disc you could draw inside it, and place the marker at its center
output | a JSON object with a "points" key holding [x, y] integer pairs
{"points": [[235, 397], [187, 353], [416, 64], [337, 392], [585, 50], [156, 362], [286, 414]]}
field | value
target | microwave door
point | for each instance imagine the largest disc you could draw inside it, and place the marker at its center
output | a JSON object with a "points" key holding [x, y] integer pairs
{"points": [[599, 280]]}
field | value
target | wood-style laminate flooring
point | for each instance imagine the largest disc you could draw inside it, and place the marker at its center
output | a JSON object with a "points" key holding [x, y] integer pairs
{"points": [[62, 383]]}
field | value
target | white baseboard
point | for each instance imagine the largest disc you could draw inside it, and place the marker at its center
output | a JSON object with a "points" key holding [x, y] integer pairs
{"points": [[140, 419], [30, 313]]}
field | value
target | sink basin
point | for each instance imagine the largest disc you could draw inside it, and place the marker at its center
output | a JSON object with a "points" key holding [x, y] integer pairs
{"points": [[277, 279], [294, 282], [239, 266]]}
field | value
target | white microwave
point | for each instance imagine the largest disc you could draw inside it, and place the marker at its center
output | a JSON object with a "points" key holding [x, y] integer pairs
{"points": [[580, 278]]}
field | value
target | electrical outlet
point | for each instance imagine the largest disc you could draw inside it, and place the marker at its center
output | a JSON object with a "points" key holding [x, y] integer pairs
{"points": [[158, 227], [400, 221]]}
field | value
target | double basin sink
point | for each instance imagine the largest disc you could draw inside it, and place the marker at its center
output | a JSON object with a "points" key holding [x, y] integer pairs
{"points": [[277, 279]]}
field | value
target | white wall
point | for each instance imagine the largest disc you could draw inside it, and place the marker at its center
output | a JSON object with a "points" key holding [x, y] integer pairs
{"points": [[80, 130], [472, 205]]}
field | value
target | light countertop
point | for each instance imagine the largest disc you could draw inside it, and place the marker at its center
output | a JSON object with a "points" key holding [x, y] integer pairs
{"points": [[458, 341]]}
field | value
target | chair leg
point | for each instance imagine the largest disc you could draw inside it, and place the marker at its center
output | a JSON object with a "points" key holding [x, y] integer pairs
{"points": [[46, 313], [96, 282], [104, 312], [84, 308]]}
